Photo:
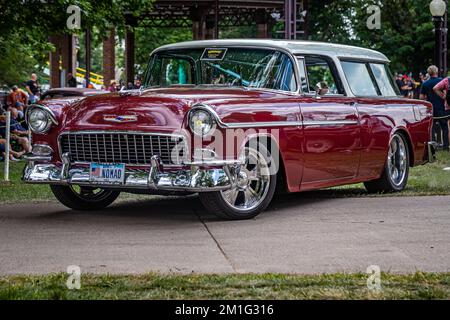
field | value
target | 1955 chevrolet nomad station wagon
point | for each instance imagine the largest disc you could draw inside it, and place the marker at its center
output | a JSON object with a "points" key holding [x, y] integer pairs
{"points": [[234, 120]]}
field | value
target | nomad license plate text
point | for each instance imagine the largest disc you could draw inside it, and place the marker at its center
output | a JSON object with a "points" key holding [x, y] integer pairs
{"points": [[107, 173]]}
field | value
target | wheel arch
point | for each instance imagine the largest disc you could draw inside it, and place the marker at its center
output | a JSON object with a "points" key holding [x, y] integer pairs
{"points": [[269, 142]]}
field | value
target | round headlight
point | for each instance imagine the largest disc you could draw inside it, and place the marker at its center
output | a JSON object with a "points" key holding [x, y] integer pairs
{"points": [[39, 120], [201, 122]]}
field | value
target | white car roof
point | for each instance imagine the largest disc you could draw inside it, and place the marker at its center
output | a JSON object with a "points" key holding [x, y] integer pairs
{"points": [[294, 46]]}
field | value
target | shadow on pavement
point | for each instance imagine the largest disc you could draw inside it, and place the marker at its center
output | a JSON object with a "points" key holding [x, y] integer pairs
{"points": [[182, 209]]}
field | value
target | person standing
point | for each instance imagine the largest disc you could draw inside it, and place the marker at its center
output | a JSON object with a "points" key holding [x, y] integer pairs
{"points": [[71, 81], [112, 86], [440, 125], [407, 87], [17, 99], [398, 80], [33, 88]]}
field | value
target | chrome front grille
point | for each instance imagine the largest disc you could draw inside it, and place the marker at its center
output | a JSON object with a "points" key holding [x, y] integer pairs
{"points": [[123, 147]]}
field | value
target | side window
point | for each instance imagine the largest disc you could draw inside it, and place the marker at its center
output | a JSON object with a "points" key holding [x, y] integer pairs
{"points": [[384, 80], [320, 76], [359, 79]]}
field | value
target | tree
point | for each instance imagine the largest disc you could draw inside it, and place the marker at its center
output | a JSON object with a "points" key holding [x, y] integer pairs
{"points": [[148, 39], [406, 35], [25, 26]]}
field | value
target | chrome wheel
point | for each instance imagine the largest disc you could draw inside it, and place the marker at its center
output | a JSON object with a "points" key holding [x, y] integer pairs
{"points": [[251, 183], [397, 162]]}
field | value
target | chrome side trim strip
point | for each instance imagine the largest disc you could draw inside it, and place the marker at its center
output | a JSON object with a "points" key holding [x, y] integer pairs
{"points": [[329, 122], [237, 125]]}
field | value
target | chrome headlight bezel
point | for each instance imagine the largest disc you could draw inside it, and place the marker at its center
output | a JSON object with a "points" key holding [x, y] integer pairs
{"points": [[40, 119], [201, 122]]}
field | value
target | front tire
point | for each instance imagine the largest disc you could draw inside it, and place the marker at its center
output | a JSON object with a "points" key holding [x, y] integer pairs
{"points": [[396, 170], [84, 198], [254, 188]]}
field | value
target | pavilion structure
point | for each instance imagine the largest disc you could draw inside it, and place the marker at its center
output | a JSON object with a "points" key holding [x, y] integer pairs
{"points": [[205, 17]]}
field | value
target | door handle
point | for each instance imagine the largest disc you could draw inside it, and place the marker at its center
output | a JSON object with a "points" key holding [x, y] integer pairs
{"points": [[352, 103]]}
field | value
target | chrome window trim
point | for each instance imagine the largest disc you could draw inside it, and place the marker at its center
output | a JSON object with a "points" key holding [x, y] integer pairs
{"points": [[181, 136]]}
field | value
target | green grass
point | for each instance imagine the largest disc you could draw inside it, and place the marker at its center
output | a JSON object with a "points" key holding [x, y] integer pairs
{"points": [[230, 286], [429, 179]]}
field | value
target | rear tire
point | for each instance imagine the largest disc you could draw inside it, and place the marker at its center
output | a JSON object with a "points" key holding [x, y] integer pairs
{"points": [[396, 170], [84, 198], [254, 190]]}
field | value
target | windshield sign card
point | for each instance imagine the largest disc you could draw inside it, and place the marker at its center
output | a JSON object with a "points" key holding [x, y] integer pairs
{"points": [[214, 54], [107, 173]]}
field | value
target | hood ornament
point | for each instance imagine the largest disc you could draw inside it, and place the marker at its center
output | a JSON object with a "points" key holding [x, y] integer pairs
{"points": [[131, 92], [120, 119]]}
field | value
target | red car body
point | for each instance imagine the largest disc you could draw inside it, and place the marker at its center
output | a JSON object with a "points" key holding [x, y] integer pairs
{"points": [[313, 157], [323, 141]]}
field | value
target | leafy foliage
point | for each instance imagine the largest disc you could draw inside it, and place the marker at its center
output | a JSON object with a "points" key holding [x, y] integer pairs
{"points": [[406, 35], [148, 39], [26, 24]]}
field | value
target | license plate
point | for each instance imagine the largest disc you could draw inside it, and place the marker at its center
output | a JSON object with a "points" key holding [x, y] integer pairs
{"points": [[107, 173]]}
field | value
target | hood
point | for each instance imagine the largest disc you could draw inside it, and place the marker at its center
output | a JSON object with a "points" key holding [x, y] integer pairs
{"points": [[161, 109]]}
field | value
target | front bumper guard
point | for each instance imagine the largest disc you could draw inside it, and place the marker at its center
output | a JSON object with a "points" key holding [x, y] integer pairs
{"points": [[200, 177]]}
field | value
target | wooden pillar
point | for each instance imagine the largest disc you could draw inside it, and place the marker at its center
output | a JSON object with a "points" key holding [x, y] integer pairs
{"points": [[87, 43], [198, 23], [68, 56], [55, 57], [129, 55], [290, 19], [210, 24], [306, 18], [216, 19], [109, 58], [262, 26]]}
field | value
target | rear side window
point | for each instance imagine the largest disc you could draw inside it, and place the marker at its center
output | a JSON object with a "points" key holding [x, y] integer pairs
{"points": [[384, 80], [359, 78]]}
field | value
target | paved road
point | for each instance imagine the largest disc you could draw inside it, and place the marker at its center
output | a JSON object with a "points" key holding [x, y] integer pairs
{"points": [[298, 234]]}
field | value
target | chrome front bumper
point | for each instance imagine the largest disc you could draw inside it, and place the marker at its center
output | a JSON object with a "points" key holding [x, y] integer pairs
{"points": [[200, 177]]}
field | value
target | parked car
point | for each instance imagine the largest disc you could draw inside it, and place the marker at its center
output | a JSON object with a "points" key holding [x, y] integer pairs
{"points": [[234, 120]]}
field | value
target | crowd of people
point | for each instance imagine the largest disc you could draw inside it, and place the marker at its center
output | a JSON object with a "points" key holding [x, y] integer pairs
{"points": [[17, 102], [115, 86], [436, 90]]}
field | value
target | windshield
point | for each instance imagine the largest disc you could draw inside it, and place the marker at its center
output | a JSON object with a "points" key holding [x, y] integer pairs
{"points": [[242, 67]]}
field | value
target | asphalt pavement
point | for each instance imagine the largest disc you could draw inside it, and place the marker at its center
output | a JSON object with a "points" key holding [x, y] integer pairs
{"points": [[297, 234]]}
